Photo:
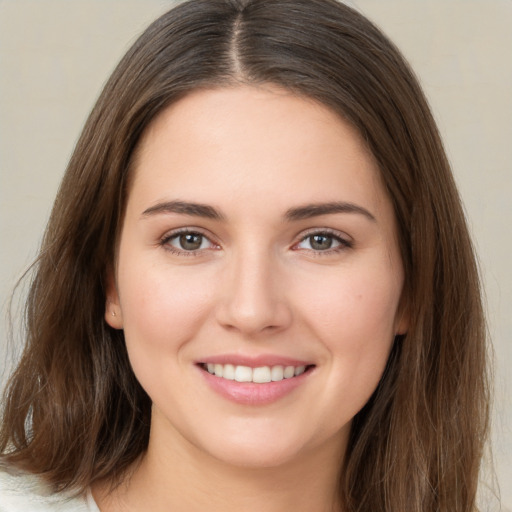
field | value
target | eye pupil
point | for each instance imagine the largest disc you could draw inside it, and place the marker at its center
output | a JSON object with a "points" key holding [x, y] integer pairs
{"points": [[190, 241], [321, 242]]}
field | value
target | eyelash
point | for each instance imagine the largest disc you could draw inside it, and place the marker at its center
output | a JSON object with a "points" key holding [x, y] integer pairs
{"points": [[344, 244], [166, 239]]}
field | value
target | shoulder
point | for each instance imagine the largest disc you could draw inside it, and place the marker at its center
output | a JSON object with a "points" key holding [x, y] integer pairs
{"points": [[24, 492]]}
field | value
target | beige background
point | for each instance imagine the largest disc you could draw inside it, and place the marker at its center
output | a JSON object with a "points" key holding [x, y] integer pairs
{"points": [[56, 54]]}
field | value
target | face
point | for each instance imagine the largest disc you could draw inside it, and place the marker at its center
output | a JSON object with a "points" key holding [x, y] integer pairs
{"points": [[258, 276]]}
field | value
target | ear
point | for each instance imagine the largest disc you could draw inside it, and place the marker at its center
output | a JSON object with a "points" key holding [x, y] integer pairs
{"points": [[402, 319], [113, 313]]}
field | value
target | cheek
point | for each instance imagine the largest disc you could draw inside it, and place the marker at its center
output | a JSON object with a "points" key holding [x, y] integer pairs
{"points": [[354, 303], [353, 315], [355, 323], [162, 306]]}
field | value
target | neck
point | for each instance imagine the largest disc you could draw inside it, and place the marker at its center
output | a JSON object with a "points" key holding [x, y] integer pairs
{"points": [[176, 475]]}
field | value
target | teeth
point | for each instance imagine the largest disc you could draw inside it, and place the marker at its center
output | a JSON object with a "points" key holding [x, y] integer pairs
{"points": [[277, 373], [242, 374], [289, 372], [228, 372], [260, 375], [219, 370], [299, 370]]}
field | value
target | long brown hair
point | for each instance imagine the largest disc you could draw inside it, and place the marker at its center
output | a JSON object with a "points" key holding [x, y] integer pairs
{"points": [[74, 411]]}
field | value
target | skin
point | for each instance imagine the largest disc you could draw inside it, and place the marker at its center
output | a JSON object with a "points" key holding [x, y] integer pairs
{"points": [[257, 285]]}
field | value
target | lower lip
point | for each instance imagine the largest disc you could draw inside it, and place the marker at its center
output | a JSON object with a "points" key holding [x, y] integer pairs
{"points": [[251, 393]]}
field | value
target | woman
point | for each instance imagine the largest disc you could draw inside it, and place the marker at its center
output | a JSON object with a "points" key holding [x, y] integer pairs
{"points": [[256, 289]]}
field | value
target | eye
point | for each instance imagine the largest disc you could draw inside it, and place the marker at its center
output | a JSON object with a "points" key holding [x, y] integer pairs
{"points": [[323, 242], [187, 242]]}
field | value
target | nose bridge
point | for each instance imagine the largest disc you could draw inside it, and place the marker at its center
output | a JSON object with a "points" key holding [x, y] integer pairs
{"points": [[253, 301]]}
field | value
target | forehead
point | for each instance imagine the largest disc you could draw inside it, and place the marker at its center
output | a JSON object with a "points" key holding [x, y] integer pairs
{"points": [[251, 142]]}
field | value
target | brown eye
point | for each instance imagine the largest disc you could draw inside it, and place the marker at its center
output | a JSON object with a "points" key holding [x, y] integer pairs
{"points": [[191, 241], [323, 242], [188, 242], [320, 242]]}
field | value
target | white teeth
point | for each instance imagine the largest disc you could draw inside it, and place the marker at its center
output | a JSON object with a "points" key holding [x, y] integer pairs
{"points": [[260, 375], [219, 370], [299, 370], [289, 372], [277, 373], [228, 372], [242, 374]]}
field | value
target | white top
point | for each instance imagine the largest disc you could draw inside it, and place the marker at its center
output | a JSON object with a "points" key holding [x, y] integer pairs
{"points": [[23, 492]]}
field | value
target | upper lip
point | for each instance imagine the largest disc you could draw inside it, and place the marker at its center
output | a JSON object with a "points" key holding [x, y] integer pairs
{"points": [[254, 361]]}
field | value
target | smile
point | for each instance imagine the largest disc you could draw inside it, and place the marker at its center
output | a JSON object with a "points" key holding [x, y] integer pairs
{"points": [[257, 380], [259, 375]]}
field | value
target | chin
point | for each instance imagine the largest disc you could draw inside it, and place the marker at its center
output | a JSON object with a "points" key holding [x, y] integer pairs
{"points": [[257, 456], [265, 448]]}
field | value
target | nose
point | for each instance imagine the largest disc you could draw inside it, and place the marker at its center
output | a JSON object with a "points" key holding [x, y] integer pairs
{"points": [[254, 299]]}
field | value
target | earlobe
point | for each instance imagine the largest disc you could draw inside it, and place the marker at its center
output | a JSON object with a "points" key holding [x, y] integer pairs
{"points": [[113, 313], [402, 321], [401, 329]]}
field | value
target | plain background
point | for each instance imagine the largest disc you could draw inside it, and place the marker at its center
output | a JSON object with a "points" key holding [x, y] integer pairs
{"points": [[55, 55]]}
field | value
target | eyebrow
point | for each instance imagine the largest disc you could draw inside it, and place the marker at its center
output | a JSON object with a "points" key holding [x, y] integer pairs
{"points": [[293, 214], [317, 209], [184, 208]]}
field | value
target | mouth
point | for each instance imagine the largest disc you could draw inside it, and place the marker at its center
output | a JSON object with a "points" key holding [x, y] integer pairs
{"points": [[257, 375]]}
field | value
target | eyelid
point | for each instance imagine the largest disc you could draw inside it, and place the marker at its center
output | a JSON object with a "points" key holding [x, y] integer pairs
{"points": [[169, 235], [345, 240]]}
